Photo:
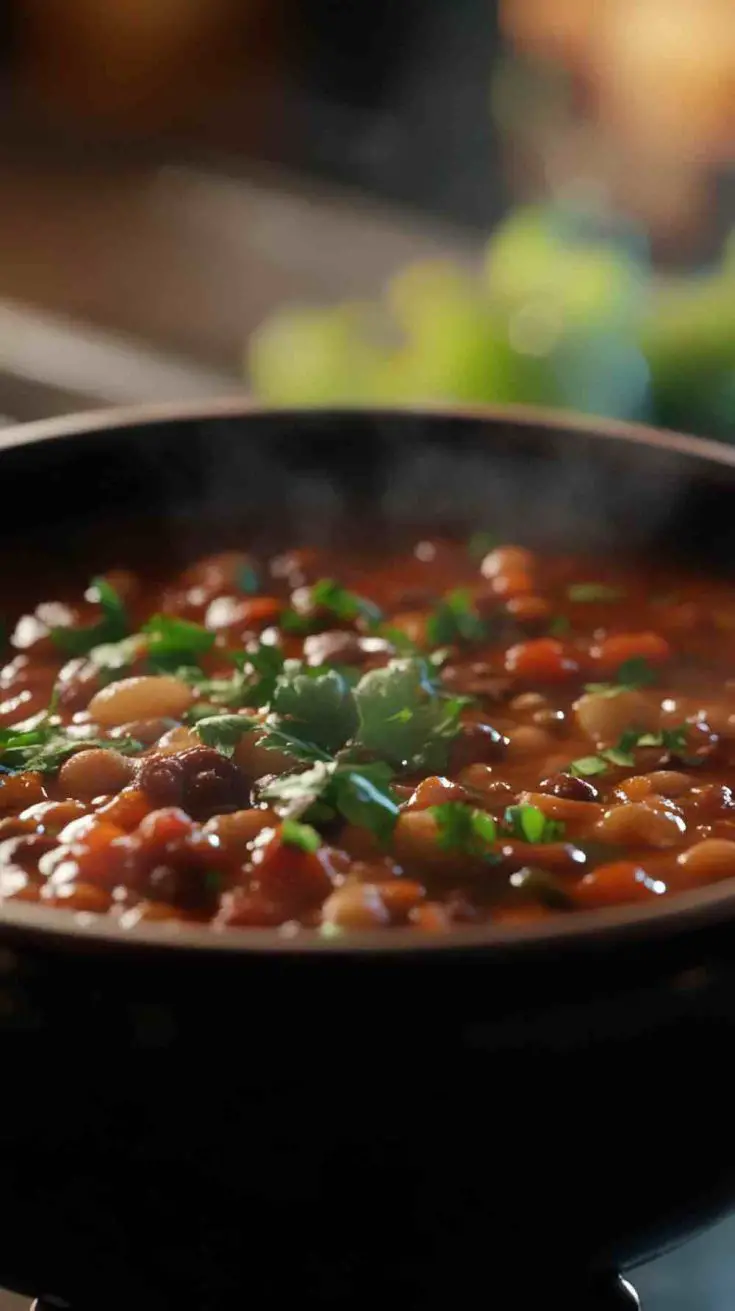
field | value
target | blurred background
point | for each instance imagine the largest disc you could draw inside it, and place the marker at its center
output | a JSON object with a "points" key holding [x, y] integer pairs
{"points": [[367, 200]]}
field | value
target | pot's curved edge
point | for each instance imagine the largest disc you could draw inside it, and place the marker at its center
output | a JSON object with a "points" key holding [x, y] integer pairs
{"points": [[696, 909], [238, 406]]}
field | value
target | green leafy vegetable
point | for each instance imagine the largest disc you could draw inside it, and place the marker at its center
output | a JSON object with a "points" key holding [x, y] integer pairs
{"points": [[455, 619], [277, 735], [632, 674], [361, 795], [402, 717], [464, 828], [112, 626], [559, 626], [299, 835], [328, 595], [173, 643], [45, 748], [531, 824], [321, 709], [247, 580], [590, 592], [480, 544], [587, 766], [224, 731]]}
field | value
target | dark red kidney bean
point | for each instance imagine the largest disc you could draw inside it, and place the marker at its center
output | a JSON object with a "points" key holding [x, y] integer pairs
{"points": [[477, 679], [713, 801], [200, 780], [476, 744], [569, 788]]}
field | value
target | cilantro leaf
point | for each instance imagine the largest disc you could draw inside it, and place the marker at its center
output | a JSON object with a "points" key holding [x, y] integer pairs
{"points": [[402, 717], [456, 619], [587, 766], [363, 797], [45, 748], [479, 544], [591, 592], [277, 735], [322, 709], [464, 828], [530, 824], [224, 731], [632, 674], [173, 642], [247, 580], [299, 835], [110, 628], [326, 594], [293, 794], [559, 626]]}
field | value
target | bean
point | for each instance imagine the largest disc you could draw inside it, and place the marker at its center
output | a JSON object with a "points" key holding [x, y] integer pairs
{"points": [[177, 739], [147, 731], [91, 773], [528, 609], [604, 718], [564, 808], [435, 791], [255, 760], [201, 780], [666, 782], [569, 788], [127, 809], [542, 660], [482, 780], [709, 861], [528, 740], [370, 905], [635, 823], [530, 701], [18, 791], [148, 696], [52, 816], [476, 744], [713, 800], [78, 896], [236, 831], [506, 559], [620, 881], [415, 842]]}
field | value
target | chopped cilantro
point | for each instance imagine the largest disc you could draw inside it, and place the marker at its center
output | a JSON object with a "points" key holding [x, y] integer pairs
{"points": [[559, 626], [328, 595], [479, 544], [361, 795], [587, 766], [455, 619], [45, 748], [464, 828], [321, 709], [590, 592], [224, 731], [402, 717], [112, 626], [247, 580], [173, 642], [632, 674], [299, 835], [531, 824]]}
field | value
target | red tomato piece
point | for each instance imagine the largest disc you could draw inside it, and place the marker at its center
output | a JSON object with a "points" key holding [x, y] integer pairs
{"points": [[543, 660]]}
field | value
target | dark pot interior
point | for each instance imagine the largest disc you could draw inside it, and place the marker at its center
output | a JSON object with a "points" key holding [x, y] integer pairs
{"points": [[193, 1127]]}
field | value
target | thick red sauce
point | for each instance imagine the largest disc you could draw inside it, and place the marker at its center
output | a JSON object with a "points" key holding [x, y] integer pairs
{"points": [[445, 736]]}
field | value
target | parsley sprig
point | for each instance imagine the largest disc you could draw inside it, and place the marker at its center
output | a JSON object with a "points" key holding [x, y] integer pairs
{"points": [[328, 595], [622, 754], [474, 832], [111, 627]]}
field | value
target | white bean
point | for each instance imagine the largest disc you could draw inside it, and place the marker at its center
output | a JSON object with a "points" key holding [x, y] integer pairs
{"points": [[604, 718], [149, 696]]}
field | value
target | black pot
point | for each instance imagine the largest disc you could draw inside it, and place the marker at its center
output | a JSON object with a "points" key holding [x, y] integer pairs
{"points": [[192, 1120]]}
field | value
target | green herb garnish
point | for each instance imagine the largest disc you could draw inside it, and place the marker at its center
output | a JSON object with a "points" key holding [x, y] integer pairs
{"points": [[247, 580], [590, 592], [112, 626], [632, 675], [173, 643], [673, 739], [321, 709], [480, 544], [559, 626], [530, 824], [303, 836], [361, 795], [45, 748], [456, 619], [464, 828], [328, 595], [224, 731], [588, 766], [403, 718]]}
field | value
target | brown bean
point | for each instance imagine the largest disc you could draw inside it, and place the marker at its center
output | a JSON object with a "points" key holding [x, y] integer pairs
{"points": [[91, 773], [234, 832], [435, 791], [635, 823], [604, 718], [18, 791], [476, 744], [569, 788], [709, 861]]}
